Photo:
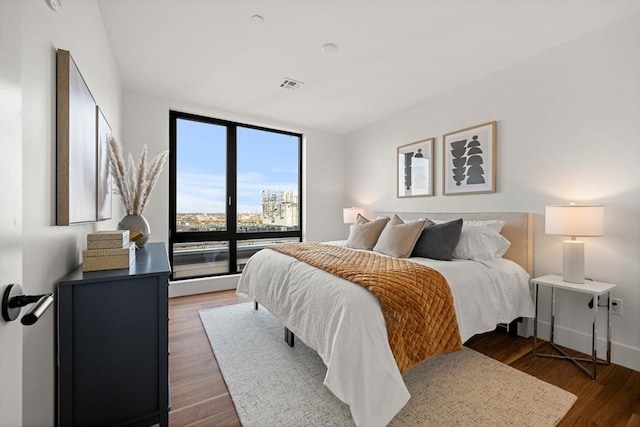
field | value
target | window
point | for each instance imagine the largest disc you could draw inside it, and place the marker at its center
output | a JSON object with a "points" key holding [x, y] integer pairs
{"points": [[234, 189]]}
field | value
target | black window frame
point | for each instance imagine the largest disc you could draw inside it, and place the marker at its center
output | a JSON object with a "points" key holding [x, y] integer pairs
{"points": [[231, 234]]}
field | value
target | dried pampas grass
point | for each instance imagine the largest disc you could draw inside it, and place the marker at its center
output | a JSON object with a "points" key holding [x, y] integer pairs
{"points": [[134, 181]]}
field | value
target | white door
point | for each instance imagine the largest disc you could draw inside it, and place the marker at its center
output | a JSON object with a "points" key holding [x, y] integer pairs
{"points": [[10, 207]]}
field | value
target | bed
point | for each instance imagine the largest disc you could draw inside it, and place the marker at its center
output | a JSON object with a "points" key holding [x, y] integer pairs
{"points": [[344, 323]]}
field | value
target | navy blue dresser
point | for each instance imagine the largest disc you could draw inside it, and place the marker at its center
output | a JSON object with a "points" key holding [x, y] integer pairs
{"points": [[113, 344]]}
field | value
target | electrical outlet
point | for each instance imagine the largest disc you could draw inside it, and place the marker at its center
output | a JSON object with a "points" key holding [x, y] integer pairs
{"points": [[616, 306]]}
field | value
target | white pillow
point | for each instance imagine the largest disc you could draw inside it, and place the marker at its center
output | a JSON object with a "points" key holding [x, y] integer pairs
{"points": [[493, 224], [480, 244]]}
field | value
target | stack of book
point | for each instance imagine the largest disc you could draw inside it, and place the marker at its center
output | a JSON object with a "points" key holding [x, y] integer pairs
{"points": [[108, 250]]}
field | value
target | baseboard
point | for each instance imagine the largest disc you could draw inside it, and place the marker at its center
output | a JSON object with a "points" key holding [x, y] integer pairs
{"points": [[621, 354], [203, 285]]}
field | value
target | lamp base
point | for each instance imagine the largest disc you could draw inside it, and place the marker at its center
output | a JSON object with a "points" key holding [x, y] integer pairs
{"points": [[573, 261]]}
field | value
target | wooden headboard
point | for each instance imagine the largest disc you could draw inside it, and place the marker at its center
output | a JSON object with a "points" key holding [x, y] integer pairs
{"points": [[518, 229]]}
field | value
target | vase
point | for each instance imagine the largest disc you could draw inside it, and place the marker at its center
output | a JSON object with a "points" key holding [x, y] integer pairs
{"points": [[136, 223]]}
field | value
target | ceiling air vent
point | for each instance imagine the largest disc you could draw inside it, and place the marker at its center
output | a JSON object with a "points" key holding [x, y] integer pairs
{"points": [[290, 84]]}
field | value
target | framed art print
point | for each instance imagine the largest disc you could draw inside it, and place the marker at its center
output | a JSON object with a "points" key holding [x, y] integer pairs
{"points": [[76, 122], [415, 169], [470, 160]]}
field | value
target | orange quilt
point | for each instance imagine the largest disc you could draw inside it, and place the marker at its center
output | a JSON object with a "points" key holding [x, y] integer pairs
{"points": [[416, 300]]}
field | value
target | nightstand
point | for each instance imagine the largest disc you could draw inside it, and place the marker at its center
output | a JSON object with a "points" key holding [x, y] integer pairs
{"points": [[593, 288]]}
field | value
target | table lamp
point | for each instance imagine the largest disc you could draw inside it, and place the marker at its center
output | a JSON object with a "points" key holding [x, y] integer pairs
{"points": [[574, 220], [349, 215]]}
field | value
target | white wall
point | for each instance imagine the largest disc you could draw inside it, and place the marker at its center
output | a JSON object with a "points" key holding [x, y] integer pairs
{"points": [[10, 208], [147, 122], [568, 130], [50, 251]]}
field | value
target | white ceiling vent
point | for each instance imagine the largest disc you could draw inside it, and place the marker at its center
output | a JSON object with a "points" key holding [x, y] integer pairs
{"points": [[290, 84]]}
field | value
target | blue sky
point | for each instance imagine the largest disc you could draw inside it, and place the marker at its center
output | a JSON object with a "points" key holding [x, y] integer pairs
{"points": [[266, 160]]}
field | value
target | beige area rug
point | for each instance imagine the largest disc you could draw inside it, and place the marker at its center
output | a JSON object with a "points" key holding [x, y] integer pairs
{"points": [[272, 384]]}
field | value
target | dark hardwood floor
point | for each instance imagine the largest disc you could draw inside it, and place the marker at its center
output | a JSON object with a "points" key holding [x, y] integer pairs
{"points": [[199, 396]]}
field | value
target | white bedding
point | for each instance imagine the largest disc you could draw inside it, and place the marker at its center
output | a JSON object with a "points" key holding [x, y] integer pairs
{"points": [[343, 322]]}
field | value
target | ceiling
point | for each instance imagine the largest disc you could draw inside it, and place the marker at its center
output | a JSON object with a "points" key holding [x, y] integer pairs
{"points": [[391, 54]]}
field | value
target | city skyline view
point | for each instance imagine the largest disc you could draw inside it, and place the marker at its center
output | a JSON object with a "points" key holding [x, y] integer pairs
{"points": [[279, 211]]}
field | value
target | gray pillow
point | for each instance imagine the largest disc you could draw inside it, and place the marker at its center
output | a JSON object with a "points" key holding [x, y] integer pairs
{"points": [[364, 233], [438, 241]]}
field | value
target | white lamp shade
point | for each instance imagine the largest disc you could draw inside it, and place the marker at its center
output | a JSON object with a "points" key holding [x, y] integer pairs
{"points": [[574, 220], [349, 215]]}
